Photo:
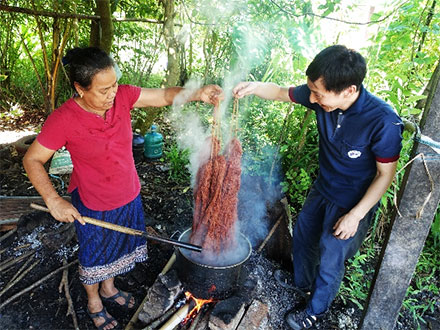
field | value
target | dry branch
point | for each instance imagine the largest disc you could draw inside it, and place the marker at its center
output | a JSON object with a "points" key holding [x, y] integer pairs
{"points": [[29, 288], [27, 11], [13, 260], [65, 284], [274, 227], [5, 236], [19, 275]]}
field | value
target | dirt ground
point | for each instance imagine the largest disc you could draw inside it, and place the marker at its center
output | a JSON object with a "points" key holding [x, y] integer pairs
{"points": [[168, 209]]}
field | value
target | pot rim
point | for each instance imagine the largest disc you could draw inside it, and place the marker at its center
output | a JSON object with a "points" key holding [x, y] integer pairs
{"points": [[186, 256]]}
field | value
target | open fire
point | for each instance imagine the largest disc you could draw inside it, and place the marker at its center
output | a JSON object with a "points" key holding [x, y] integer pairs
{"points": [[216, 291], [199, 303]]}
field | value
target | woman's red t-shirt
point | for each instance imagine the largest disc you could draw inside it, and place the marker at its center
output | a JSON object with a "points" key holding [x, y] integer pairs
{"points": [[101, 149]]}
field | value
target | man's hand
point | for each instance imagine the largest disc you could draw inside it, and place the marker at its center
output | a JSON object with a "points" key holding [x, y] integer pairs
{"points": [[211, 94], [244, 88], [346, 226], [64, 211]]}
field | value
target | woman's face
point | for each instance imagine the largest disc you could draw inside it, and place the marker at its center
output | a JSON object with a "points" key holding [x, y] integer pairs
{"points": [[101, 94]]}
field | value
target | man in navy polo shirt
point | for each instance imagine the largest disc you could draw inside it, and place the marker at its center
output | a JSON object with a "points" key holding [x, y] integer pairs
{"points": [[359, 145]]}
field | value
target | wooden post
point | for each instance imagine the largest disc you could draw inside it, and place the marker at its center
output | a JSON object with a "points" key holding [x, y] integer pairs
{"points": [[409, 232]]}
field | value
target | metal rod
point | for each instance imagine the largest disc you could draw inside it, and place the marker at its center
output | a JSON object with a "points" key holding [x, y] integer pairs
{"points": [[127, 230]]}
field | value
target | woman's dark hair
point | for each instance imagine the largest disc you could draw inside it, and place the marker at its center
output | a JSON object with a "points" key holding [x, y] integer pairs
{"points": [[339, 67], [84, 63]]}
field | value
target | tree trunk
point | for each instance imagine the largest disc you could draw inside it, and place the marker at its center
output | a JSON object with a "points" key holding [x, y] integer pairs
{"points": [[95, 34], [106, 25], [173, 73]]}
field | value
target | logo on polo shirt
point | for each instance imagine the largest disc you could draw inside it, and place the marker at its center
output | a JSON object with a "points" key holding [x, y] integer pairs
{"points": [[354, 154]]}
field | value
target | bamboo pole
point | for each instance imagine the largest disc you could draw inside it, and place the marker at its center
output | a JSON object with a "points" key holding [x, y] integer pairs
{"points": [[178, 317], [161, 319], [169, 264]]}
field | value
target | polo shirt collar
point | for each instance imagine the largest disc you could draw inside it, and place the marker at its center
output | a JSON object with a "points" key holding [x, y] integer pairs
{"points": [[358, 105]]}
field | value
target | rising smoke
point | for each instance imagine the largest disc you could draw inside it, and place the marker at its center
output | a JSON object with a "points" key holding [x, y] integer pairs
{"points": [[255, 195]]}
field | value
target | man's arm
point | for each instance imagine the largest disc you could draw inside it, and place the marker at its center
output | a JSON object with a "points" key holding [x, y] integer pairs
{"points": [[33, 162], [267, 91], [347, 225], [160, 97]]}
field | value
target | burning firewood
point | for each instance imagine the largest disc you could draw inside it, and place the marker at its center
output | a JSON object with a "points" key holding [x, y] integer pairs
{"points": [[216, 192]]}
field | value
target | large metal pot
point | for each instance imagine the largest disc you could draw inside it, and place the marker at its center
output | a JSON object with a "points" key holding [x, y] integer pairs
{"points": [[206, 281]]}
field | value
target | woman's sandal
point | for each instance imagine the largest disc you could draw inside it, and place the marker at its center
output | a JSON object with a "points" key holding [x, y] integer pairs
{"points": [[107, 320], [127, 296]]}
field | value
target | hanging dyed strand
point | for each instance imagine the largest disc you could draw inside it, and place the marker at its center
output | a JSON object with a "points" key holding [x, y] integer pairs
{"points": [[216, 192]]}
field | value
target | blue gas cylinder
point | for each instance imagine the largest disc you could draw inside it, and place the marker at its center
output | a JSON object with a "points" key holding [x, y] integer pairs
{"points": [[153, 143], [138, 147]]}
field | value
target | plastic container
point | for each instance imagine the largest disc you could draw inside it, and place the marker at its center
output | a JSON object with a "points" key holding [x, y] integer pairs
{"points": [[138, 147], [153, 143]]}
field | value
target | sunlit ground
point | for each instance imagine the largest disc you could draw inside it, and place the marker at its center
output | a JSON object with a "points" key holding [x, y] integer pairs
{"points": [[12, 136]]}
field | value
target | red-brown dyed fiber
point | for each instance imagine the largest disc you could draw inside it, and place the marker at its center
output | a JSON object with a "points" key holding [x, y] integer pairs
{"points": [[216, 198]]}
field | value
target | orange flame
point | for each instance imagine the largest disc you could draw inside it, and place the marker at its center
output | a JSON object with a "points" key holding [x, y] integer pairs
{"points": [[199, 304]]}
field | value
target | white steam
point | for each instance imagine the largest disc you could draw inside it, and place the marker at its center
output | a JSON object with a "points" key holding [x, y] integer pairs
{"points": [[250, 46]]}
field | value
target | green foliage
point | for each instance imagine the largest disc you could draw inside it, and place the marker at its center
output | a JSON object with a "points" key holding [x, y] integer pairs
{"points": [[435, 229], [226, 41], [356, 282], [425, 285], [178, 160], [137, 56], [297, 185]]}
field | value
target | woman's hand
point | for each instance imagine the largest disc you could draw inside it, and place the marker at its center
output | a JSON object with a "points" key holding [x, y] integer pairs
{"points": [[64, 211], [211, 94]]}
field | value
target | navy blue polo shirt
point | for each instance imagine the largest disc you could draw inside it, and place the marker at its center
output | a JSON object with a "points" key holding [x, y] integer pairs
{"points": [[350, 144]]}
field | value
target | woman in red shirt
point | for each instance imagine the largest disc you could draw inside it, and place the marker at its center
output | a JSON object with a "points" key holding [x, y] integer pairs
{"points": [[95, 126]]}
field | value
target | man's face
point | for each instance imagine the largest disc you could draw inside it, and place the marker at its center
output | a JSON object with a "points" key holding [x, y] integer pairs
{"points": [[329, 101]]}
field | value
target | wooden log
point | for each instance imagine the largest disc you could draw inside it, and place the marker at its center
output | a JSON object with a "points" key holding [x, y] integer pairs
{"points": [[255, 315], [405, 242], [135, 317], [227, 314]]}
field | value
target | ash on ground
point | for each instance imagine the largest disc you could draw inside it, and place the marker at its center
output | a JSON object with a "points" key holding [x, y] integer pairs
{"points": [[281, 299]]}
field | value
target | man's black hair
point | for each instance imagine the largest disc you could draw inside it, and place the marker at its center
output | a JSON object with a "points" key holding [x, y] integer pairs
{"points": [[84, 63], [339, 67]]}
